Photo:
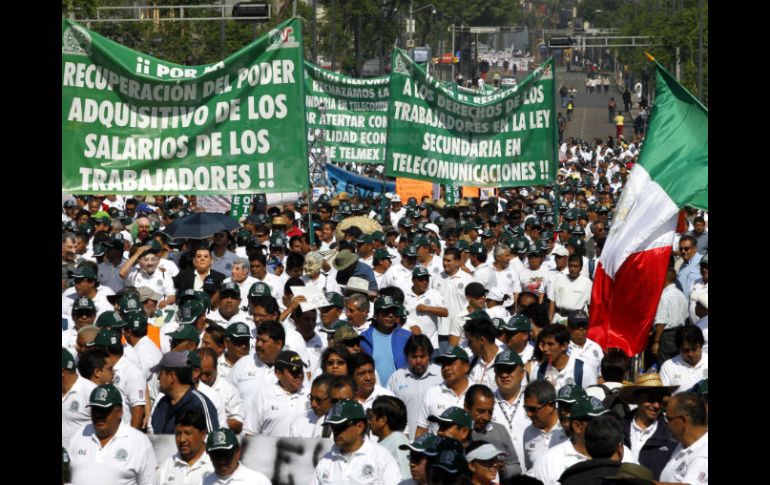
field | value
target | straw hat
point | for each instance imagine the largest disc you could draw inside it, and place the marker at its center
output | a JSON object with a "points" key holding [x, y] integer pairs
{"points": [[343, 196], [280, 221], [645, 382]]}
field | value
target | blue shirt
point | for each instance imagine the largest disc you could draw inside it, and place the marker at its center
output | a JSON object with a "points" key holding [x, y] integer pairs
{"points": [[382, 353], [689, 272]]}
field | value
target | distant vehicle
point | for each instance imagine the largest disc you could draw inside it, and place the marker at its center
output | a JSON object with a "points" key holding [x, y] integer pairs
{"points": [[507, 82]]}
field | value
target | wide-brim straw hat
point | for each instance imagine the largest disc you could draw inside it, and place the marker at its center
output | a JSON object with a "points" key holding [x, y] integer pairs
{"points": [[646, 382]]}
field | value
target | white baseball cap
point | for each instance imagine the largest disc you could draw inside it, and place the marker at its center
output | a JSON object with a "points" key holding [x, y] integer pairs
{"points": [[395, 198], [484, 452], [560, 250]]}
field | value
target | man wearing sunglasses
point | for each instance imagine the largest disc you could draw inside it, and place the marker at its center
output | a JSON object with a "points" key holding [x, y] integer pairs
{"points": [[689, 270], [310, 424], [687, 421], [273, 409], [353, 458], [385, 340], [546, 431]]}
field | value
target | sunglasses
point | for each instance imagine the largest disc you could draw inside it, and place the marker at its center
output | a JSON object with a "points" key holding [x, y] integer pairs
{"points": [[534, 409], [684, 249]]}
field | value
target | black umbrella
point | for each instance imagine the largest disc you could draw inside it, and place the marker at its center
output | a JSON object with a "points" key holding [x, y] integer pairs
{"points": [[200, 225]]}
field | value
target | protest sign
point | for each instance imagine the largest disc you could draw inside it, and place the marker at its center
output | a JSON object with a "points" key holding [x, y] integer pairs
{"points": [[351, 113], [418, 189], [134, 124], [508, 138]]}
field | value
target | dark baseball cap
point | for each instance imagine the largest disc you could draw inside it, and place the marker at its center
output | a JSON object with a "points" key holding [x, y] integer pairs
{"points": [[105, 396], [475, 290], [452, 353], [172, 360], [454, 415]]}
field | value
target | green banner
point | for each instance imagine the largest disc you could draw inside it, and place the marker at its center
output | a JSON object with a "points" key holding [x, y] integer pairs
{"points": [[134, 124], [351, 112], [240, 205], [507, 139]]}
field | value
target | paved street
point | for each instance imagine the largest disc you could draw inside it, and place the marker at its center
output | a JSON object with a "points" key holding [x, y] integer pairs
{"points": [[589, 119]]}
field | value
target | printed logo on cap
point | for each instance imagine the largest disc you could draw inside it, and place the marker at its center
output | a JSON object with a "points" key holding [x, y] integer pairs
{"points": [[101, 394], [242, 328], [131, 303], [447, 457], [219, 438]]}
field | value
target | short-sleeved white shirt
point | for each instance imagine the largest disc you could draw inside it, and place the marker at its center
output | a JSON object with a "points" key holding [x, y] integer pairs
{"points": [[689, 465], [399, 276], [512, 417], [591, 353], [550, 466], [410, 388], [250, 374], [376, 392], [570, 294], [128, 458], [130, 381], [676, 372], [231, 399], [560, 378], [452, 290], [309, 425], [537, 442], [483, 372], [508, 280], [369, 464], [485, 274], [240, 475], [272, 411], [159, 281], [176, 471], [74, 413], [435, 402], [428, 323], [672, 308]]}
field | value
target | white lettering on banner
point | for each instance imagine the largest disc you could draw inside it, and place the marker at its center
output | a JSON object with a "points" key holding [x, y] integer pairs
{"points": [[465, 173], [452, 145], [277, 72], [109, 114], [214, 178]]}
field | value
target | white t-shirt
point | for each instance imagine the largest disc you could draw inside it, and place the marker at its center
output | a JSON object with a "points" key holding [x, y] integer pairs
{"points": [[427, 322], [435, 402], [131, 383], [676, 372], [250, 374], [537, 442]]}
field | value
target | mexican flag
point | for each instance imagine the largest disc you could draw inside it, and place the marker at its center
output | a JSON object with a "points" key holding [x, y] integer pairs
{"points": [[672, 173]]}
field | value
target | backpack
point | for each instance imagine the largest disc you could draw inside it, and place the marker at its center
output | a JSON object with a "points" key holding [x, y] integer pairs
{"points": [[578, 372], [612, 401]]}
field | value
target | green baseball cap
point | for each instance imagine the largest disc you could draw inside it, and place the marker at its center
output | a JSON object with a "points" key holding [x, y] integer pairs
{"points": [[521, 246], [518, 323], [452, 353], [334, 299], [364, 239], [410, 250], [587, 407], [333, 327], [259, 289], [190, 311], [450, 456], [238, 330], [83, 303], [195, 359], [67, 360], [134, 320], [378, 236], [420, 271], [570, 393], [575, 242], [230, 287], [221, 439], [278, 240], [109, 320], [105, 337], [454, 415], [85, 273], [382, 254], [129, 303], [186, 332], [508, 357], [383, 302], [477, 249], [105, 396], [425, 444], [344, 411]]}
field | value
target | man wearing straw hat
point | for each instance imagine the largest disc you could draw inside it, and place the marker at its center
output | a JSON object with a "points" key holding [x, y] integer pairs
{"points": [[644, 430]]}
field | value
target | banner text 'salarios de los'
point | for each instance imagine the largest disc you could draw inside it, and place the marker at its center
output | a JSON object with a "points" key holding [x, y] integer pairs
{"points": [[134, 124], [506, 139]]}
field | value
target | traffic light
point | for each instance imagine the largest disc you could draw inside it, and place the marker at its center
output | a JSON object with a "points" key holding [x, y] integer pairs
{"points": [[559, 42], [252, 9]]}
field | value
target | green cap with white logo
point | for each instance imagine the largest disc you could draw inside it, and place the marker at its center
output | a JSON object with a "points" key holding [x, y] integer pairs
{"points": [[344, 411], [105, 396]]}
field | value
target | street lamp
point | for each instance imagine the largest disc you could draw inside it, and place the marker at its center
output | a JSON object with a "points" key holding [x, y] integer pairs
{"points": [[410, 21]]}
